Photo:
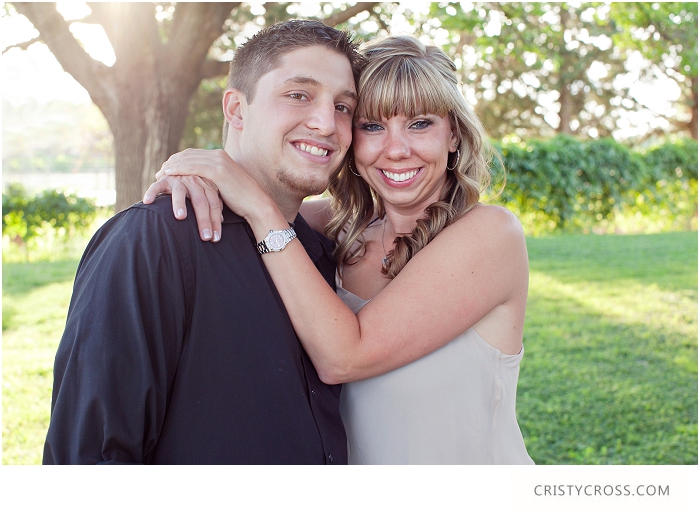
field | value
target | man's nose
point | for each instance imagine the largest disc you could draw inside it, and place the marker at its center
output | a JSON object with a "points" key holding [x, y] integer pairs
{"points": [[322, 118]]}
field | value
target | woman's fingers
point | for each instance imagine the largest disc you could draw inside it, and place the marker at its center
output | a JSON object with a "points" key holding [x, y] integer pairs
{"points": [[216, 208], [179, 192], [215, 204], [206, 202], [202, 209], [165, 185]]}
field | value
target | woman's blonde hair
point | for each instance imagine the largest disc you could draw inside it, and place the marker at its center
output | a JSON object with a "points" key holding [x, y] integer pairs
{"points": [[405, 77]]}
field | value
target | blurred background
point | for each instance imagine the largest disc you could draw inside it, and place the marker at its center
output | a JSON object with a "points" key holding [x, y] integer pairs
{"points": [[592, 106]]}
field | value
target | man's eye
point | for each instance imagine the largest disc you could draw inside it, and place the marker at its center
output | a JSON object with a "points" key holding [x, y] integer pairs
{"points": [[343, 108], [298, 96]]}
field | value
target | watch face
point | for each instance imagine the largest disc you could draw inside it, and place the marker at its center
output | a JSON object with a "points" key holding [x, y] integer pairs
{"points": [[276, 241]]}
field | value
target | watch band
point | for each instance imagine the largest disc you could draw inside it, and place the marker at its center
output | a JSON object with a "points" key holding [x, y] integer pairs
{"points": [[276, 240]]}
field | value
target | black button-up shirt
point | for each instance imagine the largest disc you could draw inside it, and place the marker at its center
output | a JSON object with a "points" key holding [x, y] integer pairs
{"points": [[181, 351]]}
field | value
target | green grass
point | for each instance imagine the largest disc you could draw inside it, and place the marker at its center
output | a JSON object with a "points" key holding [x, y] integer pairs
{"points": [[35, 299], [610, 368]]}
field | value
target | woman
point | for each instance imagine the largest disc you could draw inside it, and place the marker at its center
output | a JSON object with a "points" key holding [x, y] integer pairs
{"points": [[437, 280]]}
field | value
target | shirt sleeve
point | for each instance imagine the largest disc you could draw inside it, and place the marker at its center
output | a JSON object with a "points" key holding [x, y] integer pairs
{"points": [[119, 352]]}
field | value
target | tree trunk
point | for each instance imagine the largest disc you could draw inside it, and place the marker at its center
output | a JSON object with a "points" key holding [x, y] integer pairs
{"points": [[145, 95], [147, 129], [565, 110], [694, 108], [566, 101]]}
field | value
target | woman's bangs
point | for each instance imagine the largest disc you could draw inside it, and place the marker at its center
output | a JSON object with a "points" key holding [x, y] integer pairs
{"points": [[401, 89]]}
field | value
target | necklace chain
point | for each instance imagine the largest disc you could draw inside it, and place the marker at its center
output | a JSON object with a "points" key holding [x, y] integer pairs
{"points": [[385, 260]]}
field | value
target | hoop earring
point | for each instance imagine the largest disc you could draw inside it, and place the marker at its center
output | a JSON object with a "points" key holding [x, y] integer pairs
{"points": [[352, 170], [455, 163]]}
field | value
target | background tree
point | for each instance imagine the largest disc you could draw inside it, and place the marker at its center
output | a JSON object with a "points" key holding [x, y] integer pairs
{"points": [[536, 69], [530, 69], [163, 52], [667, 35]]}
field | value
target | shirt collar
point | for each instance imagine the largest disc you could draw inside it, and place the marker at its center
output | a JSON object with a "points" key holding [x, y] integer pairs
{"points": [[308, 237]]}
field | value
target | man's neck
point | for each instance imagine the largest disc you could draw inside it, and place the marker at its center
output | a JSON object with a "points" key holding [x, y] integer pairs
{"points": [[287, 202]]}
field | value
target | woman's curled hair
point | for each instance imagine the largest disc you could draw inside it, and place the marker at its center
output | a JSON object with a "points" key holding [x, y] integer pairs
{"points": [[405, 77]]}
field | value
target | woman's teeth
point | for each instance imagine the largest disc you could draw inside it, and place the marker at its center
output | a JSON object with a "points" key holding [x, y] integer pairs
{"points": [[400, 177], [316, 151]]}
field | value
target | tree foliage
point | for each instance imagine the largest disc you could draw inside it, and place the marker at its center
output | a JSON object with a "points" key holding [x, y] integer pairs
{"points": [[537, 69], [666, 33], [531, 69]]}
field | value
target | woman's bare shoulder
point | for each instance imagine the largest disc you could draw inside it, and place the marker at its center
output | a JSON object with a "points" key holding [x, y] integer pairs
{"points": [[490, 222]]}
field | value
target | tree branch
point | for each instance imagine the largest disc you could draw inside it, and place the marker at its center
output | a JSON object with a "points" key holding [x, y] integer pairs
{"points": [[54, 32], [343, 16], [23, 45], [195, 27]]}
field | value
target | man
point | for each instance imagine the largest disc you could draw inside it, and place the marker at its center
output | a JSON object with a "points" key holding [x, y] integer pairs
{"points": [[178, 351]]}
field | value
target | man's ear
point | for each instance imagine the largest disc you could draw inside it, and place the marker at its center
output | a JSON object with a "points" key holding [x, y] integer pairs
{"points": [[233, 103]]}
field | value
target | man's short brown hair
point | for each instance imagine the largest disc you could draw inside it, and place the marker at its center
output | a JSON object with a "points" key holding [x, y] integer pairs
{"points": [[264, 51]]}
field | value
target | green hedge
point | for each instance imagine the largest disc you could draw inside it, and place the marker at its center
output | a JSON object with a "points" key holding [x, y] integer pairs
{"points": [[26, 217], [564, 184]]}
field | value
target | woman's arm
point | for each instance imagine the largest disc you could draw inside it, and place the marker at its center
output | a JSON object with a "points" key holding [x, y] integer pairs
{"points": [[472, 267], [204, 195]]}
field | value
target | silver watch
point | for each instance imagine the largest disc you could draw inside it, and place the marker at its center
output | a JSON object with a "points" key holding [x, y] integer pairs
{"points": [[276, 240]]}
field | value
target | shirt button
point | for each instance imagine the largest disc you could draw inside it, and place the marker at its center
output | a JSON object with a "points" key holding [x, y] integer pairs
{"points": [[313, 392], [330, 458]]}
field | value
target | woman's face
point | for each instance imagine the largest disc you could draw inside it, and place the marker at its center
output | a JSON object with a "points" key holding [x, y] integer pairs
{"points": [[404, 159]]}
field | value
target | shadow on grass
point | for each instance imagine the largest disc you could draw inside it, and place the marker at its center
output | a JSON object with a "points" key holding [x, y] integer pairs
{"points": [[19, 279], [594, 390], [667, 260]]}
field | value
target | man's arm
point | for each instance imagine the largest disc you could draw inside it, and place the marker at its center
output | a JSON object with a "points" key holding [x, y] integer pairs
{"points": [[123, 337]]}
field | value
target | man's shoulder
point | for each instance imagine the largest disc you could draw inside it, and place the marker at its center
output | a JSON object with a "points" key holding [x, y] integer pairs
{"points": [[161, 206], [144, 227], [158, 214]]}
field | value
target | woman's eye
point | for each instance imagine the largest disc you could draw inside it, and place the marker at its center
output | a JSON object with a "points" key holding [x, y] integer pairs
{"points": [[370, 126], [422, 124]]}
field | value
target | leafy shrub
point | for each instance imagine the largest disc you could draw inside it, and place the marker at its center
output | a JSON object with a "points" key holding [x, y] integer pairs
{"points": [[25, 218], [566, 184]]}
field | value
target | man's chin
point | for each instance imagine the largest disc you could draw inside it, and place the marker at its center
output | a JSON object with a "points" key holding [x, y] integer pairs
{"points": [[303, 186]]}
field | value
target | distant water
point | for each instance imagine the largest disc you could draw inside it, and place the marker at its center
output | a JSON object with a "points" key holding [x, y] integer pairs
{"points": [[97, 185]]}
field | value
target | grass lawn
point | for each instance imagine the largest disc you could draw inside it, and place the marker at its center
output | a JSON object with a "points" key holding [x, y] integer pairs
{"points": [[610, 374], [610, 368]]}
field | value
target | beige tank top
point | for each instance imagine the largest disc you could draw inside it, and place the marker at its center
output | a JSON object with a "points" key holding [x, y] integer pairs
{"points": [[453, 406]]}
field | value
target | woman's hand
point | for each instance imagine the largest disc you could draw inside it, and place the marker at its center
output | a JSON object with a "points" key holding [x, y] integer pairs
{"points": [[204, 196], [239, 191]]}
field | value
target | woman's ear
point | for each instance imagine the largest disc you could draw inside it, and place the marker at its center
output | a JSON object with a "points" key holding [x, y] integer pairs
{"points": [[233, 103], [454, 141]]}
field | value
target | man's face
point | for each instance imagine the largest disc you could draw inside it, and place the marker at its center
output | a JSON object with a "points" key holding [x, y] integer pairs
{"points": [[298, 128]]}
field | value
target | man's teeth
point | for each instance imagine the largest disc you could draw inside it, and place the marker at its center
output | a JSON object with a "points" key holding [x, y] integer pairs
{"points": [[400, 177], [316, 151]]}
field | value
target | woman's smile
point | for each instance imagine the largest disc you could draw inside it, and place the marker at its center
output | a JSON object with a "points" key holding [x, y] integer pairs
{"points": [[404, 159]]}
